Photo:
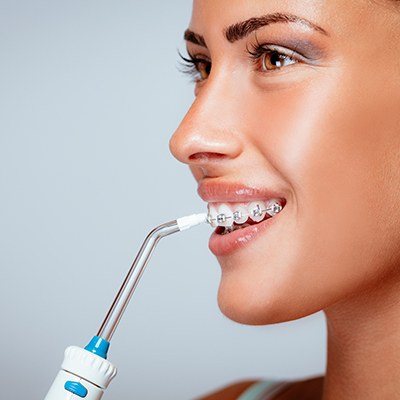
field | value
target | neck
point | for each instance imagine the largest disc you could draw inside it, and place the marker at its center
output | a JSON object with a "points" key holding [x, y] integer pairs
{"points": [[364, 346]]}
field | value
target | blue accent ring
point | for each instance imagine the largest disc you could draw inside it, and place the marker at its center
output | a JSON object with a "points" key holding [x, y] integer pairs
{"points": [[98, 346]]}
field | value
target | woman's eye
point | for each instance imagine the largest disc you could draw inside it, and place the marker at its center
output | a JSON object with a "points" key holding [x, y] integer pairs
{"points": [[197, 66], [204, 69], [273, 60], [269, 59]]}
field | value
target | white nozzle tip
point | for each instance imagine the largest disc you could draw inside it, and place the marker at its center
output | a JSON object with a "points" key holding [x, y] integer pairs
{"points": [[191, 220]]}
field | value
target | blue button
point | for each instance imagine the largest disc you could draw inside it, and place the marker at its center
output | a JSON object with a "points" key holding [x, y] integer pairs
{"points": [[76, 388]]}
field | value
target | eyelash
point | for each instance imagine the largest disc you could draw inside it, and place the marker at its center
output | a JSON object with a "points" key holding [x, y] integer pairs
{"points": [[191, 64], [256, 53]]}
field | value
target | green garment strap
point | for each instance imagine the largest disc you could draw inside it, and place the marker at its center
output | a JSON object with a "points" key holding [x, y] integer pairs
{"points": [[256, 390]]}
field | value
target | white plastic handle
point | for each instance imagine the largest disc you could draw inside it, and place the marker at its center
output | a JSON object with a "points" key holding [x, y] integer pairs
{"points": [[83, 376], [58, 391]]}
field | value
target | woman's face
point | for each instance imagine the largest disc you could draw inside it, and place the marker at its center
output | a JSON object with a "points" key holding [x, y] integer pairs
{"points": [[311, 117]]}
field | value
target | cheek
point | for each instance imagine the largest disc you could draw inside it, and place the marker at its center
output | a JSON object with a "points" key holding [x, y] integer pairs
{"points": [[341, 161], [338, 152], [343, 166]]}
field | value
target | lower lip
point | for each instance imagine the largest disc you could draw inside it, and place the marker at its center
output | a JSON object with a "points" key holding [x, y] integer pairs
{"points": [[222, 245]]}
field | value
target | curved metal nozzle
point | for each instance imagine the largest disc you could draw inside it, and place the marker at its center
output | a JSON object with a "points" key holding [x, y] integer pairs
{"points": [[131, 280]]}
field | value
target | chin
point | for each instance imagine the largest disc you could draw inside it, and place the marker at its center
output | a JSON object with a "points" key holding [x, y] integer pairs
{"points": [[247, 300], [251, 304]]}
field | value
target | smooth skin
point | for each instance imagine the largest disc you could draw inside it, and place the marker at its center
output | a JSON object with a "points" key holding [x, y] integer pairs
{"points": [[325, 132], [309, 389]]}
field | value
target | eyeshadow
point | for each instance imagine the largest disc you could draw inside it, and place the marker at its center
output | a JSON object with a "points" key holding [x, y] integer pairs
{"points": [[304, 47]]}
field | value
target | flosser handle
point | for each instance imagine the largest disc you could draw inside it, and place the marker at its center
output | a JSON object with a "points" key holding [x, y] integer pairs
{"points": [[68, 386], [83, 375]]}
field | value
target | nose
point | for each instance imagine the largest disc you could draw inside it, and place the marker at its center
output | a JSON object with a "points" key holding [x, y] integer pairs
{"points": [[208, 135]]}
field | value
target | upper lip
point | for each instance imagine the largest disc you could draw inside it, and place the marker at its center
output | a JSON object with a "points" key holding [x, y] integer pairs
{"points": [[214, 191]]}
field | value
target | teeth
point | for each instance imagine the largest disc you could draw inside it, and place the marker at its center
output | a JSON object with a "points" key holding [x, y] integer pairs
{"points": [[257, 211], [225, 216], [273, 207], [228, 229], [240, 215], [212, 213], [234, 216]]}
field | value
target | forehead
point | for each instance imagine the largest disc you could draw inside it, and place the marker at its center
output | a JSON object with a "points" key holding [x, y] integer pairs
{"points": [[340, 17]]}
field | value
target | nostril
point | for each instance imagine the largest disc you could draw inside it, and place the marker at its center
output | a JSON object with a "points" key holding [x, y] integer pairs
{"points": [[207, 156]]}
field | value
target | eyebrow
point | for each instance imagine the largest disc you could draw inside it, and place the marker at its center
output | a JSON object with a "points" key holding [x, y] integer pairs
{"points": [[242, 29]]}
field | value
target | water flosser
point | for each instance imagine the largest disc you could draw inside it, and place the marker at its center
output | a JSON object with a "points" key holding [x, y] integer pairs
{"points": [[86, 373]]}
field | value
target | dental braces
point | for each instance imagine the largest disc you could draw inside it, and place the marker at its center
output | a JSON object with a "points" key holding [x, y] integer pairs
{"points": [[221, 218]]}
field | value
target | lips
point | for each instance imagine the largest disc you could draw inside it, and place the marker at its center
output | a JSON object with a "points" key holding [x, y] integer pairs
{"points": [[233, 192], [240, 213]]}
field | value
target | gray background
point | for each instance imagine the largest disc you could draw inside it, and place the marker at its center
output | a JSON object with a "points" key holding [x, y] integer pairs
{"points": [[89, 94]]}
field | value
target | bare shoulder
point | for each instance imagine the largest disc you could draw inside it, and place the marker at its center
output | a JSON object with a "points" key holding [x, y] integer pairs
{"points": [[229, 392], [308, 389]]}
